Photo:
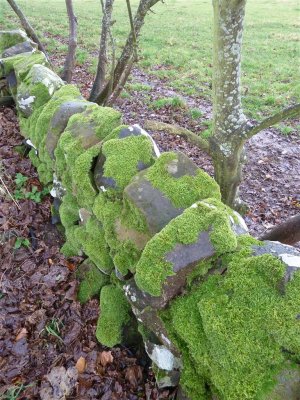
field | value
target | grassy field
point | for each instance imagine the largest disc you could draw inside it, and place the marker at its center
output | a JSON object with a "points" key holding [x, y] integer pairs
{"points": [[176, 44]]}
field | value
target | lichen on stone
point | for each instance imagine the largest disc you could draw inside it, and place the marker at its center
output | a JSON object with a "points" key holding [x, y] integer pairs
{"points": [[114, 315]]}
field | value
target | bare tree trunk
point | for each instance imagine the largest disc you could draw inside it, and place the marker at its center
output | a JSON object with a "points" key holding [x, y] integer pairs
{"points": [[121, 69], [70, 58], [229, 121], [102, 59], [288, 232], [26, 25]]}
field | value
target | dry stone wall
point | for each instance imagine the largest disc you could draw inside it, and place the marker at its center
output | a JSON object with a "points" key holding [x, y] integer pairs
{"points": [[217, 311]]}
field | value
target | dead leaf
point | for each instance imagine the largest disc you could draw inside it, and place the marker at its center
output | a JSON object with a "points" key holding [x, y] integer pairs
{"points": [[23, 333], [80, 365], [71, 266], [105, 357], [134, 375]]}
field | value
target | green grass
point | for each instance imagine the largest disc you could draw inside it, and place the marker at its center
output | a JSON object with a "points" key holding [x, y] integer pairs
{"points": [[176, 44], [174, 102]]}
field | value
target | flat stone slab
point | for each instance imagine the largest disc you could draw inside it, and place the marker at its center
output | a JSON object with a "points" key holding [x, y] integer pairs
{"points": [[19, 48]]}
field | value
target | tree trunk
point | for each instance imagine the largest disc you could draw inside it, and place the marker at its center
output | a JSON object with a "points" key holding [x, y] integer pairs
{"points": [[229, 121], [102, 59], [70, 58], [26, 25]]}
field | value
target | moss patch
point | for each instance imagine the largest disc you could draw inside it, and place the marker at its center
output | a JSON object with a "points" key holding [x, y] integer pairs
{"points": [[238, 325], [92, 241], [209, 215], [183, 191], [92, 281], [124, 156], [114, 315]]}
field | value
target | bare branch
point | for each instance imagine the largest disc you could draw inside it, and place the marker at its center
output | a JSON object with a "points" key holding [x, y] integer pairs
{"points": [[132, 30], [128, 50], [178, 130], [288, 232], [102, 58], [26, 25], [70, 58], [289, 112]]}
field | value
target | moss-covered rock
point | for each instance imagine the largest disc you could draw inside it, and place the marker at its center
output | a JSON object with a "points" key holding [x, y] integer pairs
{"points": [[200, 232], [36, 89], [120, 160], [91, 281], [21, 64], [239, 323], [11, 38], [114, 316], [164, 190]]}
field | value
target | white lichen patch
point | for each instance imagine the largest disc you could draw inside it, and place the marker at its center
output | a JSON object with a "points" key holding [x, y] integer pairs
{"points": [[290, 260], [162, 357], [24, 103]]}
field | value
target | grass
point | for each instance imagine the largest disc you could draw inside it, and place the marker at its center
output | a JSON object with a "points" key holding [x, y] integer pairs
{"points": [[174, 102], [176, 44], [14, 392]]}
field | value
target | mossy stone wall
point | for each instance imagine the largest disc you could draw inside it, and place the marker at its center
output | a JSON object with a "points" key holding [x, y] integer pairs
{"points": [[218, 311]]}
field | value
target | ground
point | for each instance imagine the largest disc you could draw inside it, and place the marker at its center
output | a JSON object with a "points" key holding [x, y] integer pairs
{"points": [[44, 327]]}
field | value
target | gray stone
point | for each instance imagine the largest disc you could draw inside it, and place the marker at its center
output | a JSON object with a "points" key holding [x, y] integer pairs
{"points": [[153, 204], [24, 47], [238, 224], [60, 120], [287, 385], [184, 255]]}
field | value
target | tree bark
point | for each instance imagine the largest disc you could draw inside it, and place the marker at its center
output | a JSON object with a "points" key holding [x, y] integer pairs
{"points": [[288, 232], [127, 52], [70, 58], [26, 25], [229, 121], [102, 59]]}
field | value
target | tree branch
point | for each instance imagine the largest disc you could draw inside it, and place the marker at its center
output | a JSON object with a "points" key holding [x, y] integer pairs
{"points": [[128, 49], [178, 130], [70, 58], [289, 112], [99, 81], [288, 232], [132, 30], [26, 25]]}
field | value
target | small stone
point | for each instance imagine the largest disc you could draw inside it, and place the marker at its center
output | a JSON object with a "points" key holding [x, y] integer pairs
{"points": [[24, 47]]}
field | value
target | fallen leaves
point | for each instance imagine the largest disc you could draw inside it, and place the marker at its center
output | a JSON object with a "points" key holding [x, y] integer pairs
{"points": [[22, 334], [80, 365], [105, 357]]}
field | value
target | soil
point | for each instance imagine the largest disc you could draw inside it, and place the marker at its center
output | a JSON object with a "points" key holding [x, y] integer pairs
{"points": [[43, 329]]}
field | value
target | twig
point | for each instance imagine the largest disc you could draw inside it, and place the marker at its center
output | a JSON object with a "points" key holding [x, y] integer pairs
{"points": [[190, 137], [10, 195]]}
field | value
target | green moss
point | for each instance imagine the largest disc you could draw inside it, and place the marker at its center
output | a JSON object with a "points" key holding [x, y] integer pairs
{"points": [[115, 133], [25, 62], [123, 157], [210, 215], [97, 120], [92, 241], [69, 211], [114, 315], [65, 93], [238, 325], [82, 177], [45, 175], [183, 191], [11, 38], [92, 281], [8, 64], [72, 247]]}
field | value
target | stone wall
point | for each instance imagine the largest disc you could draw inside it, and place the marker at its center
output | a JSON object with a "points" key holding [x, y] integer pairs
{"points": [[218, 311]]}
